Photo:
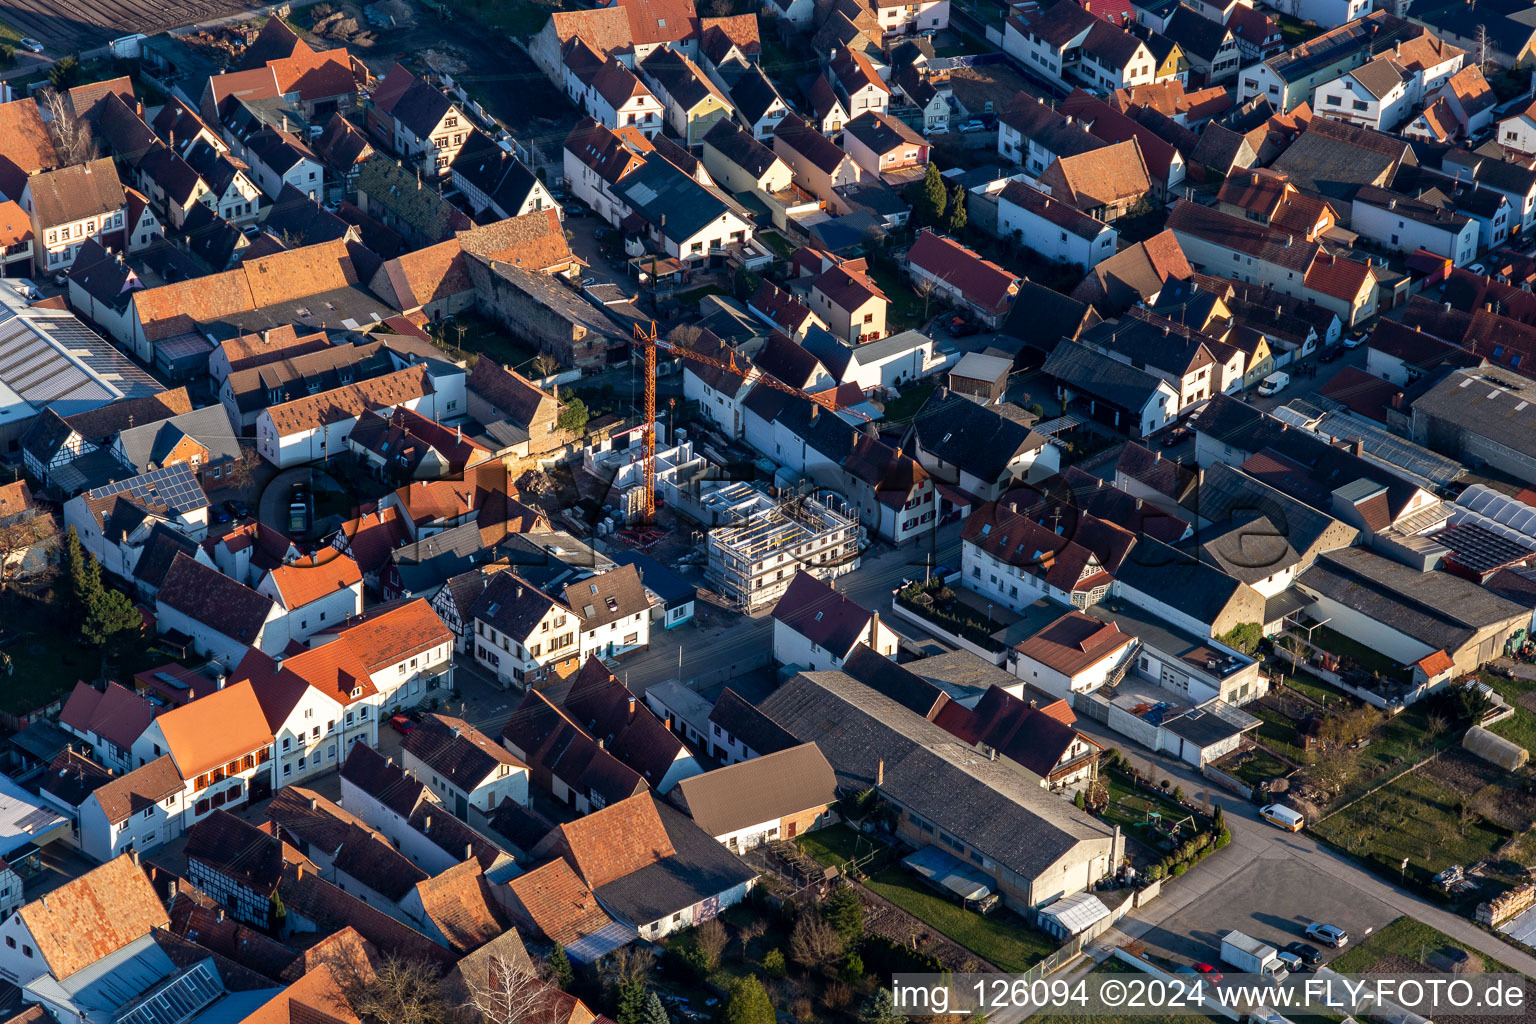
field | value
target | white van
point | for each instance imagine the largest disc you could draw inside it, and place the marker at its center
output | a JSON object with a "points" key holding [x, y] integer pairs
{"points": [[1282, 817], [1274, 383]]}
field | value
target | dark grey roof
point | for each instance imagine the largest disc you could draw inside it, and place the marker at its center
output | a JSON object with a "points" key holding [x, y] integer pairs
{"points": [[985, 804], [662, 194], [699, 868], [1195, 33], [512, 605], [740, 148], [1178, 580], [159, 552], [742, 721], [149, 445], [1226, 492], [1201, 727], [1082, 369], [752, 91], [1498, 406], [506, 181], [1439, 610], [767, 788], [971, 436], [299, 220], [898, 682]]}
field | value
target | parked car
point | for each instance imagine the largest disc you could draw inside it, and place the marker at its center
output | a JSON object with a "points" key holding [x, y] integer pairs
{"points": [[1355, 340], [28, 43], [1175, 436], [238, 509], [220, 515], [972, 125], [1210, 972], [575, 210], [1328, 934], [251, 230], [402, 723], [1331, 353], [1305, 952], [960, 327]]}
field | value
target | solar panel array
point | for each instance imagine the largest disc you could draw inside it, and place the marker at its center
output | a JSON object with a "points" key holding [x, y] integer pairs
{"points": [[1481, 549], [178, 999], [98, 354], [40, 372], [171, 487]]}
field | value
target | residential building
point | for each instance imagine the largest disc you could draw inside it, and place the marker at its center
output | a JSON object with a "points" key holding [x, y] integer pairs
{"points": [[746, 559], [521, 633], [70, 205], [464, 767], [1403, 223], [614, 610], [1112, 392], [815, 628], [964, 444], [693, 103], [1103, 183], [778, 796], [1075, 654], [1056, 230], [416, 121], [960, 277], [851, 304]]}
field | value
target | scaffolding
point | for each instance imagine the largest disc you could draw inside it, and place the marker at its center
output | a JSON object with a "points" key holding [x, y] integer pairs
{"points": [[761, 544]]}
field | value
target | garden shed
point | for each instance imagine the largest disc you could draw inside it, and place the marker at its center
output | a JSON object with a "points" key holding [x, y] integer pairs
{"points": [[1495, 749]]}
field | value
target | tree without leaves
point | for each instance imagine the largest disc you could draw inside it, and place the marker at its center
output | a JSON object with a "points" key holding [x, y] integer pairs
{"points": [[628, 964], [509, 992], [814, 944], [710, 937], [404, 991], [71, 138], [21, 532]]}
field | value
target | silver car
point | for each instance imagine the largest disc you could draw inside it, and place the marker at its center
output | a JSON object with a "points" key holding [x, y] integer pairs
{"points": [[1328, 934]]}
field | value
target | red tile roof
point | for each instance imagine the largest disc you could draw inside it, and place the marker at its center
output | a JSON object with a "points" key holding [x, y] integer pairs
{"points": [[93, 916], [459, 904], [118, 714], [981, 281], [308, 580], [615, 841], [214, 730], [556, 903], [1073, 643]]}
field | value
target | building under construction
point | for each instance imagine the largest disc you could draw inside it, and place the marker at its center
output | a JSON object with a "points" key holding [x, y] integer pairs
{"points": [[759, 544]]}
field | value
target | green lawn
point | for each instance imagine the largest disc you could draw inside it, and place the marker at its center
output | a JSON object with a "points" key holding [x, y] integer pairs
{"points": [[1001, 937], [690, 299], [482, 336], [9, 35], [1521, 726], [520, 18], [1404, 937], [1365, 658], [1129, 808], [1278, 732], [1317, 689], [777, 242], [1415, 817], [1259, 766], [904, 406], [1293, 30], [906, 309], [836, 845]]}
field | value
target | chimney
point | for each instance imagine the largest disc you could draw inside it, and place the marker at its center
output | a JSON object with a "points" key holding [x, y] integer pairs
{"points": [[1358, 447], [220, 918], [313, 804], [426, 823], [299, 871], [815, 411], [874, 631], [880, 772], [132, 853], [1157, 456], [631, 703], [469, 851]]}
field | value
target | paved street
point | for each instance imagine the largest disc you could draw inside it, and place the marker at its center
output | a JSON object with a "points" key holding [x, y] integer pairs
{"points": [[1274, 883]]}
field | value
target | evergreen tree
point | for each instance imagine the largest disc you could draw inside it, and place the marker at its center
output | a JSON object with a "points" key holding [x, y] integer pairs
{"points": [[930, 199], [957, 214], [655, 1013], [110, 615], [880, 1009], [78, 565], [748, 1003], [631, 1009], [845, 912], [560, 970]]}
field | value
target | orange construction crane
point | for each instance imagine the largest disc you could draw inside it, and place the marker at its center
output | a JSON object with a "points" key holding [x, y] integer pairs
{"points": [[648, 339]]}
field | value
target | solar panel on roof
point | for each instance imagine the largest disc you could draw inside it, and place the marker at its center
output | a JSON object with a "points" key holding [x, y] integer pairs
{"points": [[176, 1000]]}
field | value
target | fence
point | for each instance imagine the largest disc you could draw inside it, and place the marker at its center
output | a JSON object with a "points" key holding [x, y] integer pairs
{"points": [[1226, 781], [1376, 700], [903, 612]]}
